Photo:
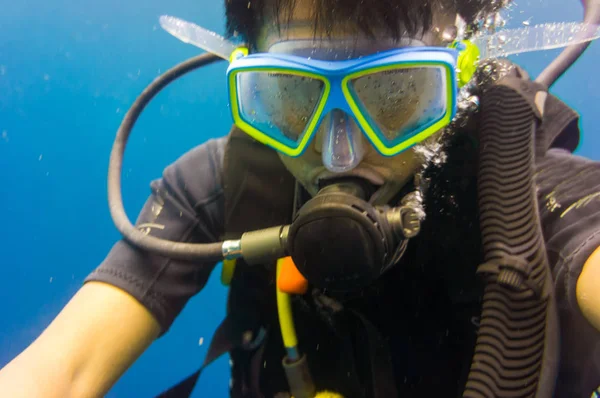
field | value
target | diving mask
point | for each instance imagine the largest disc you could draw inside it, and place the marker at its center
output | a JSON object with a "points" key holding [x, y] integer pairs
{"points": [[393, 99]]}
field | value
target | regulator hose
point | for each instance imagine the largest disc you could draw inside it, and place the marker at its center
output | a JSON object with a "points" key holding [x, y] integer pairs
{"points": [[184, 251]]}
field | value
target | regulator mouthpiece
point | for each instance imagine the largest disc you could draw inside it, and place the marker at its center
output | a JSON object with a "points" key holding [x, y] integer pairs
{"points": [[340, 242]]}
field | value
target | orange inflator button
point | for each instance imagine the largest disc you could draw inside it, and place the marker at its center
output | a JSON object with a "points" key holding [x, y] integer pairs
{"points": [[291, 280]]}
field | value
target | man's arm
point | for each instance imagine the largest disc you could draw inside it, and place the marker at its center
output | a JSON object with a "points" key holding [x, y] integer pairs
{"points": [[134, 295], [87, 347]]}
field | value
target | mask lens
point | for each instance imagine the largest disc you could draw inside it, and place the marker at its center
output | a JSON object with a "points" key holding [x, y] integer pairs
{"points": [[401, 102], [279, 104]]}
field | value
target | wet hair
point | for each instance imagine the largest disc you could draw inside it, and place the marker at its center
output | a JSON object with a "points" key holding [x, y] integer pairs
{"points": [[397, 18], [471, 10]]}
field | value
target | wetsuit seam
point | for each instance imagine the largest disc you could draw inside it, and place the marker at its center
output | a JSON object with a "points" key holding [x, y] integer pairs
{"points": [[563, 264], [581, 245], [129, 278], [207, 200]]}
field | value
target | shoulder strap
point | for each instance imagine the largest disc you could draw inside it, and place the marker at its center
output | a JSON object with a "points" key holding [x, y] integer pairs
{"points": [[251, 309], [259, 191], [221, 344], [382, 380]]}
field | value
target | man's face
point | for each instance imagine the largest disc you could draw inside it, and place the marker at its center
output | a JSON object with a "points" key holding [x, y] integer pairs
{"points": [[390, 174]]}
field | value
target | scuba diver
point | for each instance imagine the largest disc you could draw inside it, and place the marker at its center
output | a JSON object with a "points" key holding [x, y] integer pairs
{"points": [[398, 210]]}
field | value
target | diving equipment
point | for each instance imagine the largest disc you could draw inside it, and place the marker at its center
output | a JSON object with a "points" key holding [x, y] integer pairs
{"points": [[193, 34], [271, 244], [519, 296], [398, 98], [340, 242], [253, 245], [256, 246], [295, 365], [390, 97]]}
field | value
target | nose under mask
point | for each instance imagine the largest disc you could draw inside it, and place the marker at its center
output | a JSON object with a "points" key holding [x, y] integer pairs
{"points": [[342, 143]]}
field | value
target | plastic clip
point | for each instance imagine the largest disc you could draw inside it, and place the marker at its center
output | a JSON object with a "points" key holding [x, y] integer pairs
{"points": [[512, 272]]}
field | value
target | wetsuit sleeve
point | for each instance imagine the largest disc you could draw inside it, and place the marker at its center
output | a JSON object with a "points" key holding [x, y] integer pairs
{"points": [[569, 199], [185, 205]]}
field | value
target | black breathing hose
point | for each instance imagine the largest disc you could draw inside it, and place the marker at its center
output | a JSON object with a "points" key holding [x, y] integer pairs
{"points": [[517, 332], [517, 350], [184, 251]]}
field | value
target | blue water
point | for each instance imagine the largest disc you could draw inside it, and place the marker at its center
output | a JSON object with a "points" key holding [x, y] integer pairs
{"points": [[69, 70]]}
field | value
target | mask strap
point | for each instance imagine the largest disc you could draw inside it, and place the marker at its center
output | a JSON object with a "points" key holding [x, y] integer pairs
{"points": [[467, 62], [238, 53]]}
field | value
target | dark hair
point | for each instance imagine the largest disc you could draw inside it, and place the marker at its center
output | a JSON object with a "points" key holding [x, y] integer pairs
{"points": [[475, 9], [397, 17]]}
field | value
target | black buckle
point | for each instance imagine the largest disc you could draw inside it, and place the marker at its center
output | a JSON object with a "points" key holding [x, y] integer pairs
{"points": [[513, 272]]}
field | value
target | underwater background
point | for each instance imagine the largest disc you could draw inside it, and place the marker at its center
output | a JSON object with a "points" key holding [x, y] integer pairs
{"points": [[69, 70]]}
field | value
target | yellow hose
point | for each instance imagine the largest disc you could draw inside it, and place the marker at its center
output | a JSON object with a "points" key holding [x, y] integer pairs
{"points": [[227, 271], [286, 321], [328, 394]]}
